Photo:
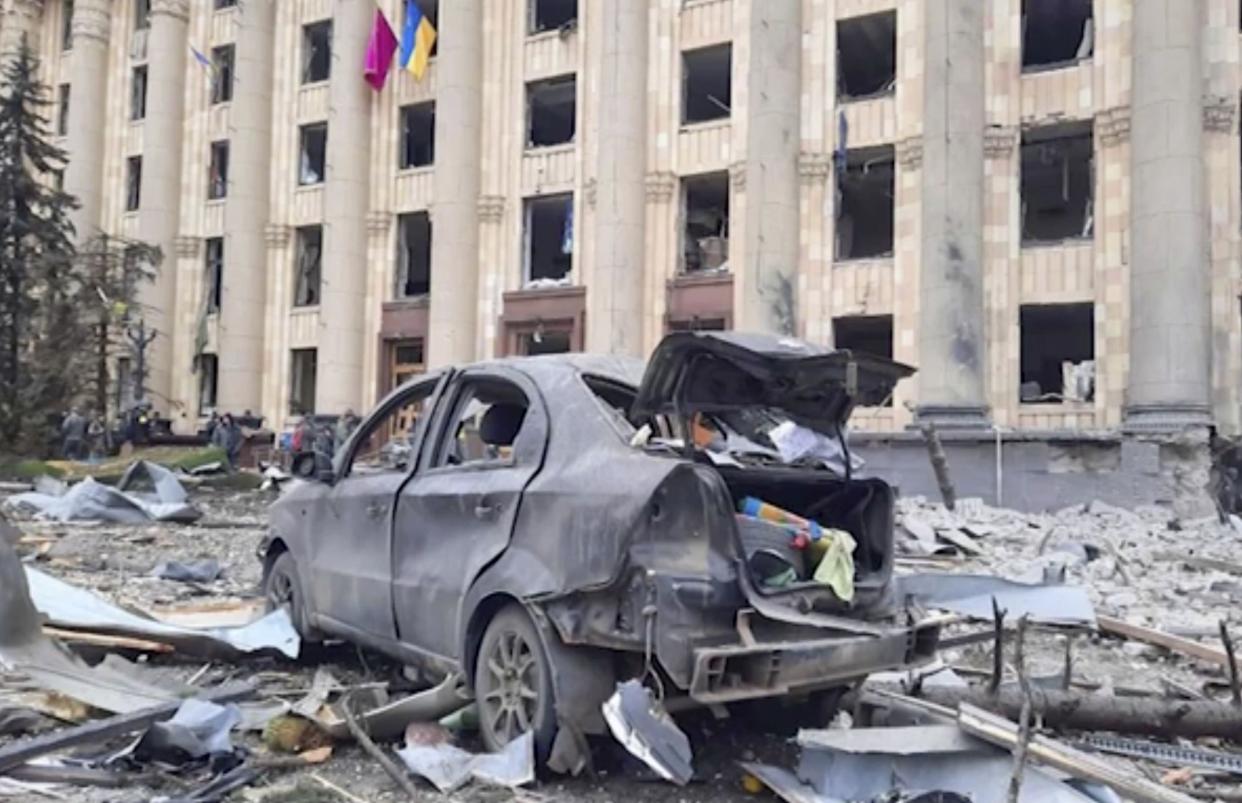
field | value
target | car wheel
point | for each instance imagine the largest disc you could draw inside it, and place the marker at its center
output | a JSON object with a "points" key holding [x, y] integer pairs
{"points": [[283, 589], [513, 683]]}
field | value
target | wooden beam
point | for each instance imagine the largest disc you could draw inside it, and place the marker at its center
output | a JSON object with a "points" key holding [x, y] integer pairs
{"points": [[1160, 638]]}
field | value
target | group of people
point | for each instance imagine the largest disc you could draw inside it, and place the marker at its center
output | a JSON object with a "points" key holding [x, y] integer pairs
{"points": [[225, 433], [81, 436], [323, 438]]}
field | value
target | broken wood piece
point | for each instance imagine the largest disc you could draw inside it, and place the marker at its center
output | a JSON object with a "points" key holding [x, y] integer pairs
{"points": [[1062, 710], [20, 752], [1004, 733], [103, 640], [364, 741], [1232, 658], [74, 776], [1150, 635], [960, 540]]}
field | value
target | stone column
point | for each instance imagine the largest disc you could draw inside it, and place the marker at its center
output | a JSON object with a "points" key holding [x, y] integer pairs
{"points": [[1170, 322], [159, 210], [951, 316], [20, 17], [615, 296], [771, 233], [88, 81], [342, 305], [455, 231], [246, 211]]}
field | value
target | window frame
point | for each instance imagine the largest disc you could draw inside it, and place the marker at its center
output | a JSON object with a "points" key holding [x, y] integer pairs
{"points": [[293, 354], [307, 79], [133, 183], [303, 129], [139, 78], [213, 266], [299, 256], [448, 419], [223, 60], [396, 400], [218, 188]]}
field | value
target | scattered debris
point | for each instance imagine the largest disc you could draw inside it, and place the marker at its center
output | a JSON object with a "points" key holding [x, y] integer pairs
{"points": [[642, 726], [972, 595], [93, 501], [200, 571], [449, 768]]}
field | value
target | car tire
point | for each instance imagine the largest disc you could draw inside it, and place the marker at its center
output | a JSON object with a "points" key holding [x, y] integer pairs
{"points": [[513, 683], [283, 588]]}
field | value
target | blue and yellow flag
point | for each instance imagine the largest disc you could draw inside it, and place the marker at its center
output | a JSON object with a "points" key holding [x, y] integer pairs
{"points": [[417, 37]]}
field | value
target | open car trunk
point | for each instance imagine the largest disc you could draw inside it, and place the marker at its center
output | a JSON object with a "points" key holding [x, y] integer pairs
{"points": [[861, 507]]}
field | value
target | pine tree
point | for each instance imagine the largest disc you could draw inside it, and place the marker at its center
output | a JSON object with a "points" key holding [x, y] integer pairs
{"points": [[40, 285]]}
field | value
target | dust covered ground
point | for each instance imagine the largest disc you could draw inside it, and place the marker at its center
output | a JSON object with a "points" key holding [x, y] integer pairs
{"points": [[1144, 566]]}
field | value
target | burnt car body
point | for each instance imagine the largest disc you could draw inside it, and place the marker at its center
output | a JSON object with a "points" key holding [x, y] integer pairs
{"points": [[545, 512]]}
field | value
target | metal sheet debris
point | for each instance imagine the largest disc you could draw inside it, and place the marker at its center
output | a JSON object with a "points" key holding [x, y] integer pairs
{"points": [[93, 501], [642, 726], [449, 768], [196, 571], [74, 608], [972, 594], [198, 729]]}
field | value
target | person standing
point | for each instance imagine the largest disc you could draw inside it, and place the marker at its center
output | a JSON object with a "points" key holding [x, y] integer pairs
{"points": [[346, 426], [73, 432]]}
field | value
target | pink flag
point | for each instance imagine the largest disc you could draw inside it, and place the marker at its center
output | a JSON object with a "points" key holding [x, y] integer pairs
{"points": [[380, 50]]}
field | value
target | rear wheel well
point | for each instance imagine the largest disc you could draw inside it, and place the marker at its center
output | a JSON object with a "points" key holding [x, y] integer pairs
{"points": [[275, 549], [479, 619]]}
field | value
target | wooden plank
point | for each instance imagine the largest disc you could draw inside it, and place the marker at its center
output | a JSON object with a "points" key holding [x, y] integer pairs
{"points": [[1159, 638], [20, 752], [1004, 733], [111, 642]]}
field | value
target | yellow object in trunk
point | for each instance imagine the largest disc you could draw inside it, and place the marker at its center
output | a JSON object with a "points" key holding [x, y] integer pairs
{"points": [[836, 562]]}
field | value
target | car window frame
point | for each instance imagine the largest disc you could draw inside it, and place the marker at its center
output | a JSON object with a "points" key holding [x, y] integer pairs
{"points": [[395, 400], [446, 421]]}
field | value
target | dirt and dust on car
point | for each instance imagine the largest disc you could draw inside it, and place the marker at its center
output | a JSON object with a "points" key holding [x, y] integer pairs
{"points": [[578, 573]]}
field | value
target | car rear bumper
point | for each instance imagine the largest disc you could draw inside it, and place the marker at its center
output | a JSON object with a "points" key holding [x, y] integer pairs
{"points": [[758, 668]]}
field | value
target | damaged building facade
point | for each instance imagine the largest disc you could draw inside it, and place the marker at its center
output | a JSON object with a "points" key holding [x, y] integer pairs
{"points": [[1036, 202]]}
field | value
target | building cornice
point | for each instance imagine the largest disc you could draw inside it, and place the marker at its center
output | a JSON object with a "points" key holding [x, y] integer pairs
{"points": [[814, 168], [1112, 126], [1219, 113], [660, 185], [910, 152], [92, 19], [177, 9]]}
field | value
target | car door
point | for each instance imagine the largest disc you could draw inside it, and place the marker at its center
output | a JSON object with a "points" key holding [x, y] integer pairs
{"points": [[352, 542], [456, 513]]}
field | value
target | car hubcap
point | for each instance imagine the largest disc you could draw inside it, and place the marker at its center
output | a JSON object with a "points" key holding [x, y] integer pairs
{"points": [[510, 696], [280, 591]]}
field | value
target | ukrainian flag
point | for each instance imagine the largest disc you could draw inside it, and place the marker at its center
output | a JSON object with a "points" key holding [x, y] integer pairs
{"points": [[417, 37]]}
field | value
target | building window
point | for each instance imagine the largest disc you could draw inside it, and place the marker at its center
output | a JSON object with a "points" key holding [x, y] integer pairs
{"points": [[316, 52], [549, 239], [865, 204], [222, 58], [413, 255], [550, 107], [550, 15], [66, 26], [133, 183], [138, 94], [62, 110], [539, 341], [418, 135], [214, 270], [218, 171], [219, 4], [1056, 34], [865, 334], [430, 11], [866, 56], [697, 324], [1058, 353], [706, 84], [309, 266], [705, 222], [312, 153], [303, 365], [208, 382], [142, 15], [1057, 183]]}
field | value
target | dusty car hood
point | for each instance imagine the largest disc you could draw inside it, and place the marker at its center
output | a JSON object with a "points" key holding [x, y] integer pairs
{"points": [[719, 371]]}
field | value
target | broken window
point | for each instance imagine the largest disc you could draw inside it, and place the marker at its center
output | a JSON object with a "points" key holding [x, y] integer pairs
{"points": [[1056, 32], [865, 204], [312, 153], [208, 382], [418, 135], [866, 56], [548, 15], [214, 273], [218, 172], [865, 334], [413, 255], [133, 183], [550, 107], [222, 79], [549, 239], [705, 222], [66, 26], [142, 14], [62, 110], [303, 365], [138, 94], [1058, 353], [1057, 183], [487, 419], [219, 4], [386, 444], [706, 84], [316, 52], [542, 341], [309, 266]]}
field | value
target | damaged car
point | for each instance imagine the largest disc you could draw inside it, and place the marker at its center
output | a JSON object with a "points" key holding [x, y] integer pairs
{"points": [[546, 527]]}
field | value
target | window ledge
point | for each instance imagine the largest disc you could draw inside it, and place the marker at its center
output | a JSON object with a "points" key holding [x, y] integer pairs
{"points": [[700, 277], [1056, 407], [418, 170], [406, 302], [216, 104], [883, 94], [877, 259], [309, 187], [551, 33], [550, 150], [1035, 245], [304, 309], [314, 84], [705, 125], [1036, 69], [217, 201]]}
